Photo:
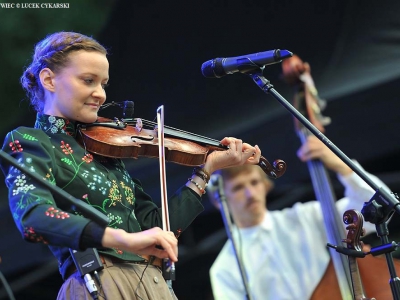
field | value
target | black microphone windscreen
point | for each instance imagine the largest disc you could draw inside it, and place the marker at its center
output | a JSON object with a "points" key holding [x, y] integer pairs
{"points": [[214, 179], [128, 109], [213, 68]]}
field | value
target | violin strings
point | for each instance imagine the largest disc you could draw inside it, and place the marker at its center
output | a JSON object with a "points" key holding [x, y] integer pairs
{"points": [[178, 131]]}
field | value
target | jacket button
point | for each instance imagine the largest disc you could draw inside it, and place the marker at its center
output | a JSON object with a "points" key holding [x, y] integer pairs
{"points": [[155, 279]]}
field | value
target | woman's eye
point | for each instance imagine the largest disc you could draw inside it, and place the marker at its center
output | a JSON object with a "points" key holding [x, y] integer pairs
{"points": [[88, 81], [105, 85]]}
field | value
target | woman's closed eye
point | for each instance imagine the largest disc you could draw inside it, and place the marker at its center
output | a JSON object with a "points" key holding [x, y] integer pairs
{"points": [[88, 80]]}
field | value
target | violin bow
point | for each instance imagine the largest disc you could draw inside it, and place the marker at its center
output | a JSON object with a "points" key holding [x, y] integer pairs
{"points": [[168, 266]]}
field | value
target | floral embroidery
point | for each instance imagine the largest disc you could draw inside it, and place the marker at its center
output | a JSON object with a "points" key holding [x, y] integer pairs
{"points": [[22, 187], [27, 198], [29, 137], [88, 158], [52, 212], [67, 161], [128, 193], [97, 178], [118, 251], [114, 194], [86, 198], [30, 234], [16, 146], [66, 148], [114, 220], [102, 190], [55, 125], [92, 186], [50, 177]]}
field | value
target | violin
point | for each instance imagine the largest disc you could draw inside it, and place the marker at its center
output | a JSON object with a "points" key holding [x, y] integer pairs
{"points": [[135, 137]]}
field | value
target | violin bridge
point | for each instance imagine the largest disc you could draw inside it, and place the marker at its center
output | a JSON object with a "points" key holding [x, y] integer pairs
{"points": [[139, 124]]}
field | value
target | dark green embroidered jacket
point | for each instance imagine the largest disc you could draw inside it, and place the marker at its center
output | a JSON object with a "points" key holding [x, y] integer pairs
{"points": [[50, 150]]}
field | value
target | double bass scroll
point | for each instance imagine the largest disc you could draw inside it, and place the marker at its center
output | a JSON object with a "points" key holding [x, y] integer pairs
{"points": [[354, 221]]}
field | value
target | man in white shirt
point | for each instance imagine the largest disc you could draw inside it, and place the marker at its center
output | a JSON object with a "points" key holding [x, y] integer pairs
{"points": [[284, 252]]}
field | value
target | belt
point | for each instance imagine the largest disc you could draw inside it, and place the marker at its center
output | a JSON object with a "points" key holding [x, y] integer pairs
{"points": [[150, 260]]}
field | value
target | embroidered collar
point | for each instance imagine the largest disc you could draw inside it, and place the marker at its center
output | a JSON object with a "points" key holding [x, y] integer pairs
{"points": [[55, 125]]}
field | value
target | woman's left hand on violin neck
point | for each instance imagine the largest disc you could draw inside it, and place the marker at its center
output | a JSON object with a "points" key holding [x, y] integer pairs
{"points": [[238, 153]]}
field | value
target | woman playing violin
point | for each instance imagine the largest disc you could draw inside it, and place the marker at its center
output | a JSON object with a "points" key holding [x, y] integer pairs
{"points": [[66, 84]]}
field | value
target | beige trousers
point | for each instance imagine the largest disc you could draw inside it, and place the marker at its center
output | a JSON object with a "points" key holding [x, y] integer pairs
{"points": [[120, 281]]}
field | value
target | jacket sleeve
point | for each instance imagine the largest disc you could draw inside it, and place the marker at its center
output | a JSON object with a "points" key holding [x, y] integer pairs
{"points": [[33, 207], [183, 207]]}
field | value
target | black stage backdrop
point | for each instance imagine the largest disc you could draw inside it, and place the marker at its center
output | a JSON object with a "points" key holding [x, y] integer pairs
{"points": [[156, 51]]}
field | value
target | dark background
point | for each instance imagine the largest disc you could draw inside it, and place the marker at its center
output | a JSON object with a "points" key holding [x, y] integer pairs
{"points": [[156, 51]]}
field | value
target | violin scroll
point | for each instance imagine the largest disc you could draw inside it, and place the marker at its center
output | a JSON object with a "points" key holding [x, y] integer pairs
{"points": [[274, 171]]}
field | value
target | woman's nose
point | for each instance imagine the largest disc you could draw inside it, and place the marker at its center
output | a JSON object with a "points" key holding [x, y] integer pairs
{"points": [[100, 93]]}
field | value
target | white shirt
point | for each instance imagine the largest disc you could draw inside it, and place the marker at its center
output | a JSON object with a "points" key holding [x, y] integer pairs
{"points": [[285, 257]]}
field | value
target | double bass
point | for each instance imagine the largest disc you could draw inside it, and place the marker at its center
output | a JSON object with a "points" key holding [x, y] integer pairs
{"points": [[338, 280]]}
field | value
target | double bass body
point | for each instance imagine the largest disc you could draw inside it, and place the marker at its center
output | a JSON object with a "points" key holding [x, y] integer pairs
{"points": [[374, 275]]}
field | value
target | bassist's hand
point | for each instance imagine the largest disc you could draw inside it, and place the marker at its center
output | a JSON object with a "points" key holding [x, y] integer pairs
{"points": [[313, 148]]}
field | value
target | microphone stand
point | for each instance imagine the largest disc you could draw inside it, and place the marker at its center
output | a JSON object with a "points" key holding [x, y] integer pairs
{"points": [[76, 204], [224, 209], [380, 207]]}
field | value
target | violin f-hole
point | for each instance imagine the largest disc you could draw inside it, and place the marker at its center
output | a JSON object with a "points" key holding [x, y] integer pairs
{"points": [[142, 138]]}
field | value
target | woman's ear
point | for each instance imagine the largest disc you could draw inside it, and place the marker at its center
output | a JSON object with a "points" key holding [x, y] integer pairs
{"points": [[47, 79]]}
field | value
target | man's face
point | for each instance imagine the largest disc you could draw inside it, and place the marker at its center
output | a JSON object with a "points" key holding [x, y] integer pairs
{"points": [[246, 195]]}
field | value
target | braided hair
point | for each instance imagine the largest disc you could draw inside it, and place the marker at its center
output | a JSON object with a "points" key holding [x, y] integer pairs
{"points": [[52, 52]]}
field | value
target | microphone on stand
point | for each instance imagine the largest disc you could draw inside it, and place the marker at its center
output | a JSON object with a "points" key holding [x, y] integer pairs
{"points": [[128, 109], [215, 188], [218, 67]]}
